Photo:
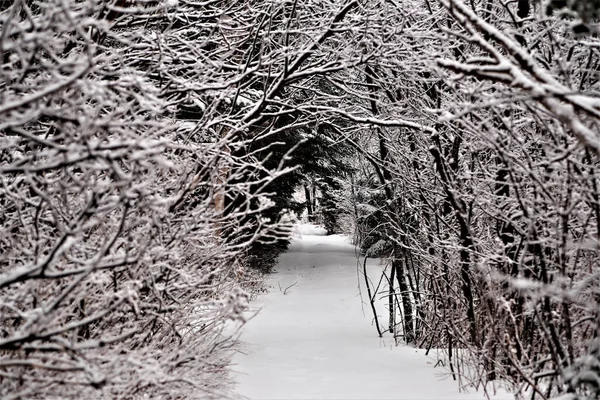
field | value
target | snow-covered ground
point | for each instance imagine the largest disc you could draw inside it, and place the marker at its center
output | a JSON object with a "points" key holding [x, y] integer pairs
{"points": [[313, 337]]}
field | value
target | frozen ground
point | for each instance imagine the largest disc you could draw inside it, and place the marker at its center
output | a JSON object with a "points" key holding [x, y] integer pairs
{"points": [[311, 339]]}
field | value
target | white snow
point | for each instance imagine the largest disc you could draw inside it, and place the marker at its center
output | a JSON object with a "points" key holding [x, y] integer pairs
{"points": [[315, 342], [309, 229]]}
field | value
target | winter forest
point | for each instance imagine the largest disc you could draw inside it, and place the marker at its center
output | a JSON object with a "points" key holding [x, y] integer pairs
{"points": [[150, 151]]}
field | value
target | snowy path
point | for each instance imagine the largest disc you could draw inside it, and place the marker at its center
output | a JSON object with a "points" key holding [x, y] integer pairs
{"points": [[315, 342]]}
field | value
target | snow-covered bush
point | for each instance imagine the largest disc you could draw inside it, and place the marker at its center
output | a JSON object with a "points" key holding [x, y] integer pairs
{"points": [[116, 277], [487, 165]]}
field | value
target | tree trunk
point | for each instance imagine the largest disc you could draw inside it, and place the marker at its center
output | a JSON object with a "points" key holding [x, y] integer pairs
{"points": [[309, 208], [398, 265]]}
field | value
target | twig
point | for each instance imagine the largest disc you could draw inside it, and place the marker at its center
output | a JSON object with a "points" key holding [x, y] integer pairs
{"points": [[287, 288]]}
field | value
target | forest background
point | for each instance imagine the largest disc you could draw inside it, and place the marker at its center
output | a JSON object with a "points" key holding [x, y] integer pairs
{"points": [[149, 151]]}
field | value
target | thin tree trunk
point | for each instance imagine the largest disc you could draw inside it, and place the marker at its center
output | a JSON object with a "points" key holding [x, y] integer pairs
{"points": [[309, 208], [392, 311], [371, 299], [409, 336]]}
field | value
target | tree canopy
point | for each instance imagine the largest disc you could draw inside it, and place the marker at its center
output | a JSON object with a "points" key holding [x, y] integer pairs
{"points": [[149, 148]]}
